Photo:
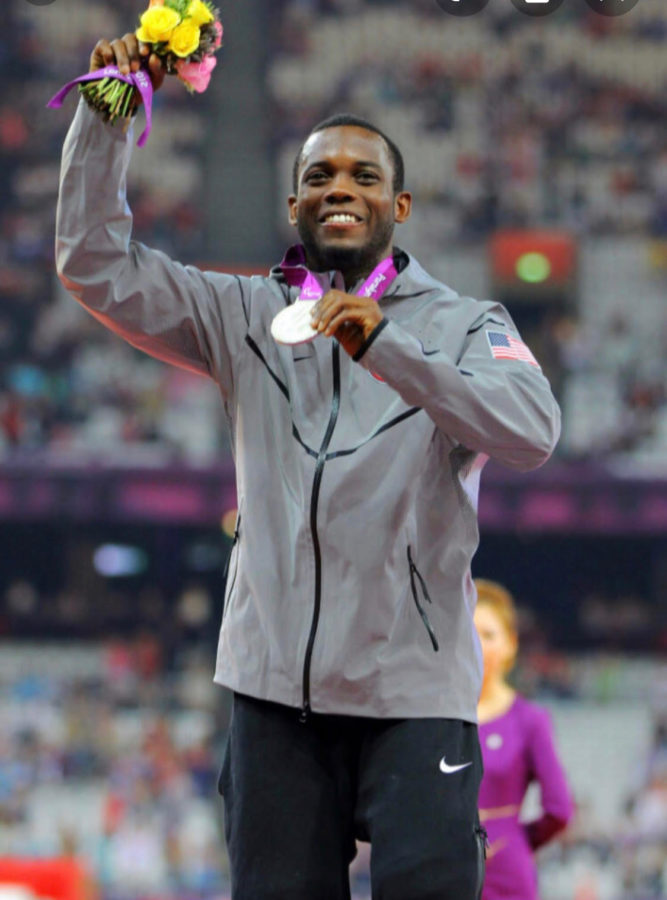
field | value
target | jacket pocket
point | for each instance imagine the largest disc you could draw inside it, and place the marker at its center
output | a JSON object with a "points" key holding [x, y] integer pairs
{"points": [[417, 583], [229, 574]]}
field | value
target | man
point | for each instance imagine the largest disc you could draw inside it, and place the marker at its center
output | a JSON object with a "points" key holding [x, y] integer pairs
{"points": [[347, 633]]}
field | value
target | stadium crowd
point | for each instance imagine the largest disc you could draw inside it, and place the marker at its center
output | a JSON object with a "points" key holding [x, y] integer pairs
{"points": [[111, 748], [65, 385], [507, 124], [109, 755], [503, 121]]}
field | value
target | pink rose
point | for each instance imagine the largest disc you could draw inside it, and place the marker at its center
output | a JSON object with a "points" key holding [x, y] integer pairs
{"points": [[218, 31], [196, 75]]}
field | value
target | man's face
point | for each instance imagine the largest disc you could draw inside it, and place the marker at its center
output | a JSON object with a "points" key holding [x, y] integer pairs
{"points": [[345, 208]]}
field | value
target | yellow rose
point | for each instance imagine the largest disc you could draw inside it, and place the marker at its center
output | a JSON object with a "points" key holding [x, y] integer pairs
{"points": [[199, 12], [157, 24], [184, 40]]}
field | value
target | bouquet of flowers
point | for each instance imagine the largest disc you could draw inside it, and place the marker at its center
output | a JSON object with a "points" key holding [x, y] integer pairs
{"points": [[184, 34]]}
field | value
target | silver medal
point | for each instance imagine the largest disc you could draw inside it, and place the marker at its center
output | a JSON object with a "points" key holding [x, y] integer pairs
{"points": [[292, 324]]}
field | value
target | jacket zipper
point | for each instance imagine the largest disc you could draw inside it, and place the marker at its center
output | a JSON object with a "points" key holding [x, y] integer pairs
{"points": [[228, 591], [415, 574], [314, 498]]}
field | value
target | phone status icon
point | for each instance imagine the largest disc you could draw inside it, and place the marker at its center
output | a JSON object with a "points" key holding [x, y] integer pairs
{"points": [[612, 7], [462, 8], [537, 7]]}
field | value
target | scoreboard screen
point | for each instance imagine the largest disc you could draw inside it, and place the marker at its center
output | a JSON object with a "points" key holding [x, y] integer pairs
{"points": [[534, 266]]}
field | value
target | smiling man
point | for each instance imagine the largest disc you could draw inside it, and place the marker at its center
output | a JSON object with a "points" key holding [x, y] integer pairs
{"points": [[348, 195], [347, 634]]}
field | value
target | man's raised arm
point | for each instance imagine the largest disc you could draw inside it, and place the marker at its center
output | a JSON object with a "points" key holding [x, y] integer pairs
{"points": [[176, 313]]}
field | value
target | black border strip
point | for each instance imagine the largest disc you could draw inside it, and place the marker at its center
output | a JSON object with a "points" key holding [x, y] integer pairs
{"points": [[295, 431], [382, 324], [314, 500], [487, 321], [283, 388], [385, 427], [242, 292]]}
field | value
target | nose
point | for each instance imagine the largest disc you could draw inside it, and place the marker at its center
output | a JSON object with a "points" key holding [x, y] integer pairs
{"points": [[339, 190]]}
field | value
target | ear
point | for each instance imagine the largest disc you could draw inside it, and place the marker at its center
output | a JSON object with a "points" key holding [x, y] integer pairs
{"points": [[402, 206], [291, 204]]}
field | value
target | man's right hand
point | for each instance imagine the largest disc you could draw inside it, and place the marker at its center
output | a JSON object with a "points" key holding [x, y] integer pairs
{"points": [[128, 54]]}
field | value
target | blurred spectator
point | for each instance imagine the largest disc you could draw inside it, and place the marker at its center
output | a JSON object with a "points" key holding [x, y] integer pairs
{"points": [[64, 384]]}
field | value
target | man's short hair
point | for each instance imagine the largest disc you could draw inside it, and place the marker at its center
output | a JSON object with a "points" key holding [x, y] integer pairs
{"points": [[343, 119]]}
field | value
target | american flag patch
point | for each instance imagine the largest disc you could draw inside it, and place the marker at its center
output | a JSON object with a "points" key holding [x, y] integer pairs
{"points": [[505, 346]]}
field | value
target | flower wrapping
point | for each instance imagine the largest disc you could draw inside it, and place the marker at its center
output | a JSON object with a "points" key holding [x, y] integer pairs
{"points": [[184, 34]]}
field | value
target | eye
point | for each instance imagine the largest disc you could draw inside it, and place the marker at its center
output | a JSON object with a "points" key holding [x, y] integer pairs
{"points": [[315, 177], [367, 177]]}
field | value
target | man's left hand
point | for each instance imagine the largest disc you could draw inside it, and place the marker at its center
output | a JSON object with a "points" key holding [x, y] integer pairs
{"points": [[347, 317]]}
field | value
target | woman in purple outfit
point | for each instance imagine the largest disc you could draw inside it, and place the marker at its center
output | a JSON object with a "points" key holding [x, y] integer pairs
{"points": [[517, 748]]}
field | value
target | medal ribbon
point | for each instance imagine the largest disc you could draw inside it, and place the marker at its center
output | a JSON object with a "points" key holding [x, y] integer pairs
{"points": [[297, 275], [141, 80]]}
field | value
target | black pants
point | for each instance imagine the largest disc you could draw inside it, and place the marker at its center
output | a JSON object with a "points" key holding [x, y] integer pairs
{"points": [[298, 794]]}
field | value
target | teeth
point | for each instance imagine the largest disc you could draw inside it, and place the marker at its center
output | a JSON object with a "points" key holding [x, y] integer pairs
{"points": [[341, 218]]}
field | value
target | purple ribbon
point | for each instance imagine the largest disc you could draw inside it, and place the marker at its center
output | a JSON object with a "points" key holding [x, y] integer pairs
{"points": [[298, 275], [141, 81]]}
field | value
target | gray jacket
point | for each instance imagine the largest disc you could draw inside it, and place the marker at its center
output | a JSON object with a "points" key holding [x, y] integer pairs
{"points": [[349, 587]]}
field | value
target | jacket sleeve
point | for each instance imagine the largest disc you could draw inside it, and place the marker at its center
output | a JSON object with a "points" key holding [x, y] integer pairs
{"points": [[546, 769], [176, 313], [500, 407]]}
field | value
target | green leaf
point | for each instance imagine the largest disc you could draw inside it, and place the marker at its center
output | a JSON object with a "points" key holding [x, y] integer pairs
{"points": [[181, 6]]}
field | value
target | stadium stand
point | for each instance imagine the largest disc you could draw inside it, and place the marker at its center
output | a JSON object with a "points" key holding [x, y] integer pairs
{"points": [[65, 385], [504, 123]]}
